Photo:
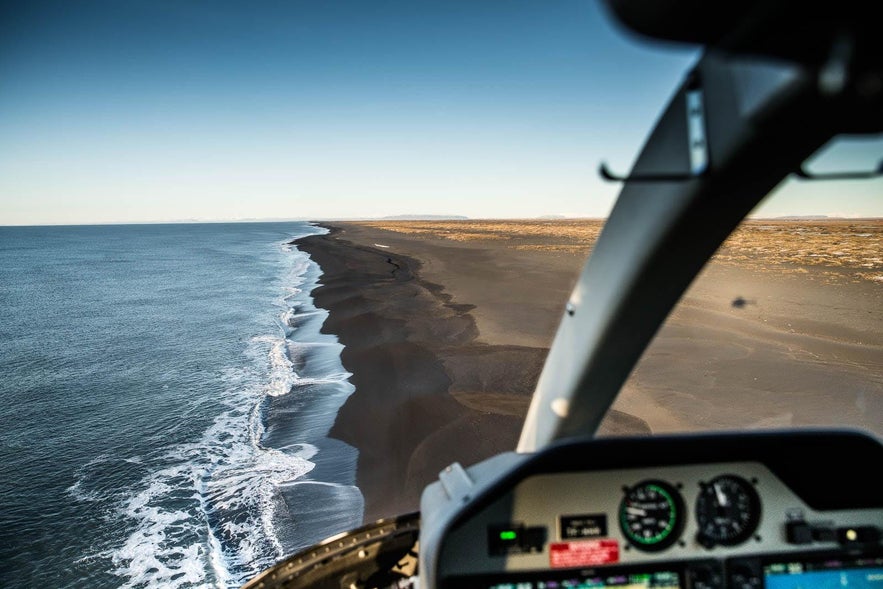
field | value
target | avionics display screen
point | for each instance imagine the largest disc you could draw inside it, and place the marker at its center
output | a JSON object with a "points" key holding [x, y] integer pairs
{"points": [[823, 574], [654, 580]]}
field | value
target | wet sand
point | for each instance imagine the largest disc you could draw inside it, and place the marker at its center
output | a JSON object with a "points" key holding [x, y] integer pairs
{"points": [[446, 326]]}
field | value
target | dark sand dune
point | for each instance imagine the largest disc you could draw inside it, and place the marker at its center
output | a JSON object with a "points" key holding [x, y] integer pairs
{"points": [[446, 326]]}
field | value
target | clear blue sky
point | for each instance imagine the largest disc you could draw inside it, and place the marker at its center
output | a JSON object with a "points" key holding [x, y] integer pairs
{"points": [[133, 111]]}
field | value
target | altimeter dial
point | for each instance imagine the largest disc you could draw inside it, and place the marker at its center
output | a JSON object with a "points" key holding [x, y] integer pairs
{"points": [[651, 515], [727, 511]]}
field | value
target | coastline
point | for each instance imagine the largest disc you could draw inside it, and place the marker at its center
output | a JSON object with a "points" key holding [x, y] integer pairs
{"points": [[436, 380]]}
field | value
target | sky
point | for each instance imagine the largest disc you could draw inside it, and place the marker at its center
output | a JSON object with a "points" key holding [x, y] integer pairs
{"points": [[115, 111]]}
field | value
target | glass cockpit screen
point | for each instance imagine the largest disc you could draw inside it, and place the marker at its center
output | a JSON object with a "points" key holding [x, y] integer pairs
{"points": [[654, 580], [856, 573]]}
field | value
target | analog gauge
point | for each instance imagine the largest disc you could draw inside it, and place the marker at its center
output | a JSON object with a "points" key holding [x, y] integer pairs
{"points": [[727, 511], [651, 515]]}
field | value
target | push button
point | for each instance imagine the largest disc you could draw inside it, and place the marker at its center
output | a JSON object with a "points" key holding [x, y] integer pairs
{"points": [[858, 535], [798, 533]]}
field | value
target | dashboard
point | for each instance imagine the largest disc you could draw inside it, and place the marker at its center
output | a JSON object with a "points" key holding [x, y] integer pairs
{"points": [[774, 510]]}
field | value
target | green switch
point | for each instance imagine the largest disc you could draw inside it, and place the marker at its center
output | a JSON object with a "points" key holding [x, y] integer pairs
{"points": [[515, 538]]}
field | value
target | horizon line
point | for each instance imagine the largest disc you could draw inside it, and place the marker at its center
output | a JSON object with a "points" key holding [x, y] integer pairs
{"points": [[405, 218]]}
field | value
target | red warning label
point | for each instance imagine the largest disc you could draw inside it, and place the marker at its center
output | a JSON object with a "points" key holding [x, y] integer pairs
{"points": [[583, 553]]}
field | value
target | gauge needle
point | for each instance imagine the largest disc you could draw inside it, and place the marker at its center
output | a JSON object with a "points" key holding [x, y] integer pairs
{"points": [[721, 497], [635, 510]]}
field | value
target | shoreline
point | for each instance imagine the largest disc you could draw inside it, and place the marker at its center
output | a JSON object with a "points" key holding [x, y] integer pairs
{"points": [[431, 386], [376, 304]]}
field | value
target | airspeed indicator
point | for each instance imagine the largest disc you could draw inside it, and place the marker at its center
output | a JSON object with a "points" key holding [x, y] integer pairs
{"points": [[651, 515]]}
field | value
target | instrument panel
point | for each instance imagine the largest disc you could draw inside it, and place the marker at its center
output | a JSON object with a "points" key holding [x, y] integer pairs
{"points": [[767, 519]]}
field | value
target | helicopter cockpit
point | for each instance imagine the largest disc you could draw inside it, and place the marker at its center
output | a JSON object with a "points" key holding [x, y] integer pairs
{"points": [[773, 509]]}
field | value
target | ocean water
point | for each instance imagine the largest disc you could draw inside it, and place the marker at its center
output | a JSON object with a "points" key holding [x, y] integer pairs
{"points": [[165, 398]]}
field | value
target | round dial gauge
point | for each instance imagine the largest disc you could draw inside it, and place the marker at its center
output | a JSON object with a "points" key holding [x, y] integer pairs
{"points": [[651, 515], [727, 511]]}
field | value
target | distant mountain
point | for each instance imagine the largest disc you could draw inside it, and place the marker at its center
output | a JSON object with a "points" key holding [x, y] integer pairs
{"points": [[424, 218], [804, 217]]}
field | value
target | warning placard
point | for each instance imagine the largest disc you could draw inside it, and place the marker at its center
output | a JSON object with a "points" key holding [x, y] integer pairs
{"points": [[583, 553]]}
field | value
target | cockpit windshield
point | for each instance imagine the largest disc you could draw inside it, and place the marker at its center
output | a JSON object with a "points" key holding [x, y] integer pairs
{"points": [[783, 327]]}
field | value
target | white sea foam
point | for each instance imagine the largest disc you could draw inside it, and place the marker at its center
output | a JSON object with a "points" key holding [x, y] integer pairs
{"points": [[282, 377], [224, 484], [206, 517]]}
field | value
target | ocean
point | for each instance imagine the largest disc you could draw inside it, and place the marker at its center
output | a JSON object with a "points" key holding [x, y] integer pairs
{"points": [[166, 393]]}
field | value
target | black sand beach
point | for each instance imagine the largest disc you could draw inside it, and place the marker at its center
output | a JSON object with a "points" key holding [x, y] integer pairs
{"points": [[430, 389], [446, 327]]}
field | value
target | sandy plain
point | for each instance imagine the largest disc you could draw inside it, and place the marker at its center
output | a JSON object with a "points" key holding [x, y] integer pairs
{"points": [[446, 325]]}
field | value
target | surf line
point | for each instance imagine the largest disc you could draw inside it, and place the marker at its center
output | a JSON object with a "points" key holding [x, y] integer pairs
{"points": [[325, 501]]}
